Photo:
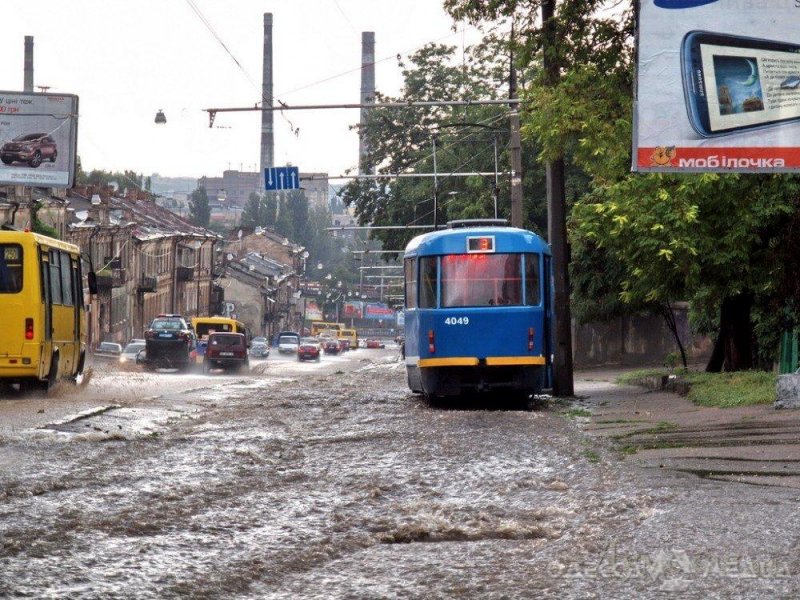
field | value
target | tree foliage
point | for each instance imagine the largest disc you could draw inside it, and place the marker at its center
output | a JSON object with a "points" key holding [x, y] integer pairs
{"points": [[199, 210], [403, 141], [724, 242]]}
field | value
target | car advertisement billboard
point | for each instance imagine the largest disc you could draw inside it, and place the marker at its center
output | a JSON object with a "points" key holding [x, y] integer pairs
{"points": [[38, 139], [718, 86]]}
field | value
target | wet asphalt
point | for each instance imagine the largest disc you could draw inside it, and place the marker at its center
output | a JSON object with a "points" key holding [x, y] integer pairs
{"points": [[331, 480]]}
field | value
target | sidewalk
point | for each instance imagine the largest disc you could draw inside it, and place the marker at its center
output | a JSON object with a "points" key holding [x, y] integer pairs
{"points": [[754, 444]]}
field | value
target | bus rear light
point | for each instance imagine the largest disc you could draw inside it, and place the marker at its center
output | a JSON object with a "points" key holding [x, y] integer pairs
{"points": [[531, 336], [28, 329], [431, 342]]}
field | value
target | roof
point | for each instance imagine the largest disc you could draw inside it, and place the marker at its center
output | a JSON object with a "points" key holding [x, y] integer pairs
{"points": [[453, 241], [147, 219]]}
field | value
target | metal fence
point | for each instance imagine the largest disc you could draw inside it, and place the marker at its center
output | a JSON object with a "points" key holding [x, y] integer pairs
{"points": [[790, 357]]}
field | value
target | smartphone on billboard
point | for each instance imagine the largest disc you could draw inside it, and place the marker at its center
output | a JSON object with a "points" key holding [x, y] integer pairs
{"points": [[733, 83]]}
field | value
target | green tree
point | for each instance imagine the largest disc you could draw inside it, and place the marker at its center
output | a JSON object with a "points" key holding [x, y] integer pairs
{"points": [[259, 211], [403, 141], [720, 241], [199, 210]]}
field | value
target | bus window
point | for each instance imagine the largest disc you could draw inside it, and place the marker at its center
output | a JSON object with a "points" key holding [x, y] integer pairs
{"points": [[481, 280], [55, 277], [67, 294], [10, 268]]}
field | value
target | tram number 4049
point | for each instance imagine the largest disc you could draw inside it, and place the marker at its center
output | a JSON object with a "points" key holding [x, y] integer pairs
{"points": [[456, 321]]}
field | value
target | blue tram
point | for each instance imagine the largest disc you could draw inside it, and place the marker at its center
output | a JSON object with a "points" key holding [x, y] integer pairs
{"points": [[478, 310]]}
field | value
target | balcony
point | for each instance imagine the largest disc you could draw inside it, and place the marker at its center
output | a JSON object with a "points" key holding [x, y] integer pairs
{"points": [[185, 273], [147, 284], [110, 278]]}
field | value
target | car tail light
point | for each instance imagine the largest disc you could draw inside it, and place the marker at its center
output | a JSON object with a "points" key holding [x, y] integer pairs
{"points": [[531, 335], [431, 342], [149, 334], [28, 329]]}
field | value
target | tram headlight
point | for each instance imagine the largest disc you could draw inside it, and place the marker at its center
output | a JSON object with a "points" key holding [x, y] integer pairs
{"points": [[431, 341]]}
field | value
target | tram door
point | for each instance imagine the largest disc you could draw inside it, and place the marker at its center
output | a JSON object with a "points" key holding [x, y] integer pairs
{"points": [[549, 321]]}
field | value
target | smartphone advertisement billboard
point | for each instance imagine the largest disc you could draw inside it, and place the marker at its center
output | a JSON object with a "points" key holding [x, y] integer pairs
{"points": [[38, 139], [718, 86]]}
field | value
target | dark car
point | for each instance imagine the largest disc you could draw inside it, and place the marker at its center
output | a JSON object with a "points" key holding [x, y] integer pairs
{"points": [[308, 349], [31, 148], [331, 346], [226, 351], [168, 343]]}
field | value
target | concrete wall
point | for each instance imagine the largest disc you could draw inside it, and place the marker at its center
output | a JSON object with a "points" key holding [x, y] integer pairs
{"points": [[635, 340]]}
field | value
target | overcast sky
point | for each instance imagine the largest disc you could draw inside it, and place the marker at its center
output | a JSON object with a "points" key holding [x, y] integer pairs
{"points": [[126, 60]]}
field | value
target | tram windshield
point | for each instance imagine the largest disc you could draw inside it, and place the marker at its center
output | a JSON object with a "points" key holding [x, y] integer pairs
{"points": [[481, 280]]}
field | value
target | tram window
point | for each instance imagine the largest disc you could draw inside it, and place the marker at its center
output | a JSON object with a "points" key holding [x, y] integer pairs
{"points": [[410, 272], [10, 268], [427, 289], [532, 296], [481, 280]]}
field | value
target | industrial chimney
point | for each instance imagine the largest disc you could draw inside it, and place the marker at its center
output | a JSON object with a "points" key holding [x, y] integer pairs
{"points": [[367, 93], [28, 81], [267, 124]]}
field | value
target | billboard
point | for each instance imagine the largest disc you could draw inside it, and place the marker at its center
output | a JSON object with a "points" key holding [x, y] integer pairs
{"points": [[311, 311], [353, 309], [38, 139], [718, 86], [378, 311]]}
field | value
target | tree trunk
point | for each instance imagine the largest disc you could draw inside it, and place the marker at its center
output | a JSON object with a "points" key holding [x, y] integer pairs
{"points": [[733, 349], [669, 316]]}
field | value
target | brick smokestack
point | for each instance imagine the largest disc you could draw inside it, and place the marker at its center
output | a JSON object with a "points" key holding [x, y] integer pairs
{"points": [[267, 124], [367, 93], [28, 81]]}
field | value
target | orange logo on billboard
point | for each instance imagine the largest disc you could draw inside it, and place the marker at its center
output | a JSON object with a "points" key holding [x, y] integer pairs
{"points": [[662, 156]]}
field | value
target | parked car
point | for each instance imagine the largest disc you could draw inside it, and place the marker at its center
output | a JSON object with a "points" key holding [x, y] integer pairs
{"points": [[288, 343], [226, 351], [259, 348], [128, 355], [108, 351], [31, 148], [169, 342], [375, 344], [308, 349]]}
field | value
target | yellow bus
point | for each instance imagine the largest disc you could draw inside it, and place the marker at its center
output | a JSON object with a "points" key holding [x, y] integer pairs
{"points": [[203, 326], [43, 333], [350, 335], [319, 326]]}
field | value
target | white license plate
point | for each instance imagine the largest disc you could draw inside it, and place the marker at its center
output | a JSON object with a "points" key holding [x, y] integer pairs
{"points": [[226, 353], [165, 335]]}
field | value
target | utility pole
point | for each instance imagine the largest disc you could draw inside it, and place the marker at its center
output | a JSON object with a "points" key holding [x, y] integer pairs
{"points": [[515, 144], [557, 229]]}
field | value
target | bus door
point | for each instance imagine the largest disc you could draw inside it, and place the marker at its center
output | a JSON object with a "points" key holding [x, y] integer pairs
{"points": [[47, 300]]}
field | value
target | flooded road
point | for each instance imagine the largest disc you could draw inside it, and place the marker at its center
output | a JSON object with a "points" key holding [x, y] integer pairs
{"points": [[329, 479]]}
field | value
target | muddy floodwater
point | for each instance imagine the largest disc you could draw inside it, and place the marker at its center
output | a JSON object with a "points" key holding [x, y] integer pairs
{"points": [[331, 480]]}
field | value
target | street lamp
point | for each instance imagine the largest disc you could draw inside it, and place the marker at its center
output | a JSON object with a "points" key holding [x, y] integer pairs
{"points": [[160, 117]]}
